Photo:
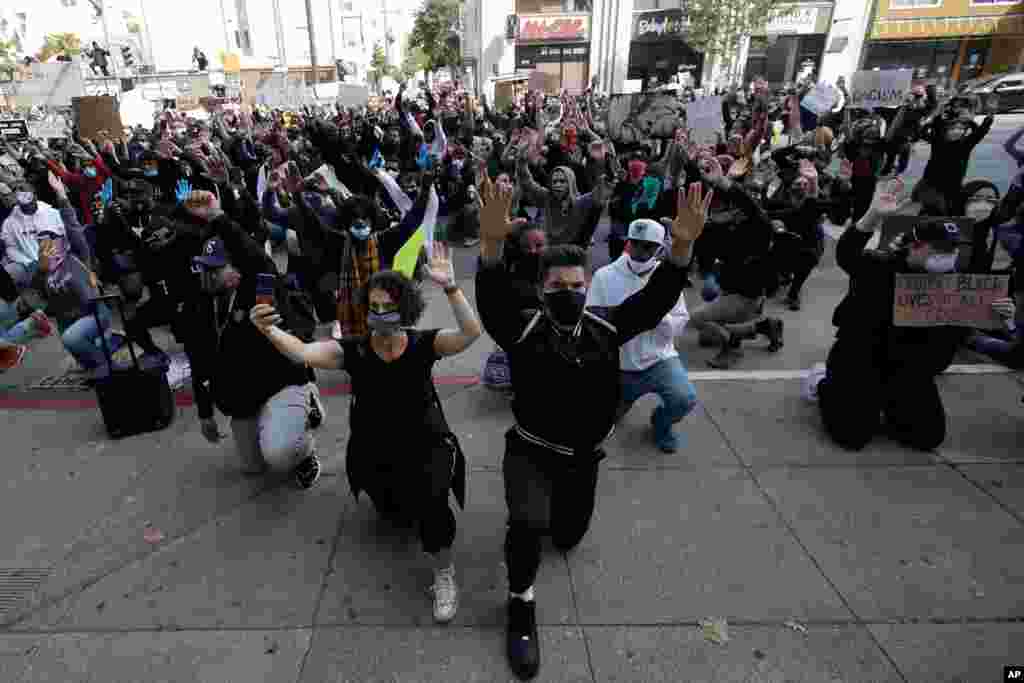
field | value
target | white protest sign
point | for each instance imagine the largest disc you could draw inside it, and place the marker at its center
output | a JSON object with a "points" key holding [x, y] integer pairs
{"points": [[704, 118], [49, 130], [820, 100], [278, 92], [52, 85], [869, 89]]}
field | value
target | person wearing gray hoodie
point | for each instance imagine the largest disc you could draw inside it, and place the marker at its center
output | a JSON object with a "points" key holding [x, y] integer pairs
{"points": [[567, 214]]}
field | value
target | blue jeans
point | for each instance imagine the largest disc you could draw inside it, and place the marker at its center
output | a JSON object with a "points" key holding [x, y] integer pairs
{"points": [[669, 380], [82, 338], [12, 331]]}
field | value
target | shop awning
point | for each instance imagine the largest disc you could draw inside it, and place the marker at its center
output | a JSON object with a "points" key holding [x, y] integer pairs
{"points": [[947, 27], [511, 78]]}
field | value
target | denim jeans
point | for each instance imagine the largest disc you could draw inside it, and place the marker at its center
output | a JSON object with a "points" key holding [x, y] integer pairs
{"points": [[669, 380], [82, 338], [12, 331], [278, 437]]}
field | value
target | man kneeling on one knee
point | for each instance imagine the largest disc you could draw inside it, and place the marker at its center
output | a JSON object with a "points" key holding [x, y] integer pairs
{"points": [[876, 371], [650, 363]]}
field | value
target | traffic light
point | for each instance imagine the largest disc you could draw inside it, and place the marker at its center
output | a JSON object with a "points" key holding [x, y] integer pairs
{"points": [[127, 57], [511, 27]]}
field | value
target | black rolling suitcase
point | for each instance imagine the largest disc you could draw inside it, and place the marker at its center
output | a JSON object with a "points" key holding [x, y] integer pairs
{"points": [[133, 399]]}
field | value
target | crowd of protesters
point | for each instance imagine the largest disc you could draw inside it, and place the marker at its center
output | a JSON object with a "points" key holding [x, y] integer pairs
{"points": [[185, 218]]}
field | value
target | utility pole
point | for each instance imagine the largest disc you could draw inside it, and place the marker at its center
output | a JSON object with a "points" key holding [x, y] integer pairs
{"points": [[282, 58], [312, 39], [224, 25], [149, 39], [334, 48]]}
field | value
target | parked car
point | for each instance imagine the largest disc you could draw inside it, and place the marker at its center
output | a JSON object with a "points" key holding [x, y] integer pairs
{"points": [[1001, 95]]}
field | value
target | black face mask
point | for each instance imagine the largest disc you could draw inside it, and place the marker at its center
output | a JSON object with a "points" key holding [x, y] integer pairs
{"points": [[565, 306]]}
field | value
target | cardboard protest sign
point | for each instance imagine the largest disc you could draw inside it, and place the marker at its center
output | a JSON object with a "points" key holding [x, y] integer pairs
{"points": [[934, 299], [97, 113], [633, 118], [869, 89], [704, 117], [820, 100], [14, 130], [193, 86]]}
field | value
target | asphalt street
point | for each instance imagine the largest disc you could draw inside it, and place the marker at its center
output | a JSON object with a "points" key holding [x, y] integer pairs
{"points": [[153, 559]]}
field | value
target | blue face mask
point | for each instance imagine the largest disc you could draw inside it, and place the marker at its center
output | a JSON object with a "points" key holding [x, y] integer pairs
{"points": [[90, 172], [360, 230], [151, 173]]}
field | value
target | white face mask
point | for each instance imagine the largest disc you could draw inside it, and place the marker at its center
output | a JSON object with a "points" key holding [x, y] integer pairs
{"points": [[640, 267], [979, 210], [940, 263]]}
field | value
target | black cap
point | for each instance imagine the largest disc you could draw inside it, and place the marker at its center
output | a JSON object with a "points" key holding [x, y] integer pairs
{"points": [[940, 231]]}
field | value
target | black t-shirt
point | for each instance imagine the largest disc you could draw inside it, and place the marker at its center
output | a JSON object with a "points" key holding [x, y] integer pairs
{"points": [[393, 402]]}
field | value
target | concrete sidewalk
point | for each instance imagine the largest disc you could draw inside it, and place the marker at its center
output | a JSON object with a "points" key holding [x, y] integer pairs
{"points": [[885, 565]]}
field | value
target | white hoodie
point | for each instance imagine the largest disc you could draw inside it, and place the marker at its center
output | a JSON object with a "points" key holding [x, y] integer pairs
{"points": [[19, 232], [612, 285]]}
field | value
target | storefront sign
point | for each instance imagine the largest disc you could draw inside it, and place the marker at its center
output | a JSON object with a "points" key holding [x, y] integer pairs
{"points": [[554, 27], [947, 27], [799, 20], [659, 25]]}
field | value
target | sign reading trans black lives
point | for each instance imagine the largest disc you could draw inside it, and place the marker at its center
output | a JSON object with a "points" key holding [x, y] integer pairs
{"points": [[930, 300]]}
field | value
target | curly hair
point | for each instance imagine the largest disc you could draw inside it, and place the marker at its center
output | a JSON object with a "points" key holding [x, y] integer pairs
{"points": [[405, 292], [357, 207]]}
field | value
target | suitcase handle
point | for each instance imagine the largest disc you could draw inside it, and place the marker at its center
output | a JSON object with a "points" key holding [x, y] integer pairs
{"points": [[103, 337]]}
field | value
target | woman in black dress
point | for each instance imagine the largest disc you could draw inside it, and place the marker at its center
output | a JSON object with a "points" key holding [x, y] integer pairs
{"points": [[401, 451]]}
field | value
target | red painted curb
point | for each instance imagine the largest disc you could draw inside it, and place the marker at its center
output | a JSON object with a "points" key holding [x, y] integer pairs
{"points": [[183, 398]]}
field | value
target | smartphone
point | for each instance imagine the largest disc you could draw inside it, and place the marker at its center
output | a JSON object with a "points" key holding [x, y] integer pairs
{"points": [[265, 288]]}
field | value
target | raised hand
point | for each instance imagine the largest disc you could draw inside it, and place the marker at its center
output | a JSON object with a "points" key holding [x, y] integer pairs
{"points": [[1005, 308], [182, 190], [203, 205], [891, 198], [845, 170], [56, 185], [691, 214], [440, 269], [495, 222]]}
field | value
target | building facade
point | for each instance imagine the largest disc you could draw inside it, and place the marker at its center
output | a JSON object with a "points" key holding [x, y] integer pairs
{"points": [[658, 49], [791, 46], [946, 42]]}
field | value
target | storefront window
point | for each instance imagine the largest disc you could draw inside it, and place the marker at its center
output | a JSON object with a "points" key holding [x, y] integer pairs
{"points": [[568, 65], [931, 60]]}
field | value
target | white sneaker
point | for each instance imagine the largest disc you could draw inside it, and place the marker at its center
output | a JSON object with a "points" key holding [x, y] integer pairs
{"points": [[446, 595], [811, 381]]}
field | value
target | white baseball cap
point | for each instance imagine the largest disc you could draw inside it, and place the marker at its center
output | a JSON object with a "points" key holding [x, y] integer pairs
{"points": [[646, 230]]}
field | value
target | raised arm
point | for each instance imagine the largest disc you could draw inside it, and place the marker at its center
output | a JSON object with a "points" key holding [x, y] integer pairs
{"points": [[323, 355], [1011, 146], [495, 296], [449, 342]]}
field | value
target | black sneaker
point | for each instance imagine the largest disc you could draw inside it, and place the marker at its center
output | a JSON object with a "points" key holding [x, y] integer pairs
{"points": [[316, 408], [521, 642], [307, 472], [771, 328]]}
